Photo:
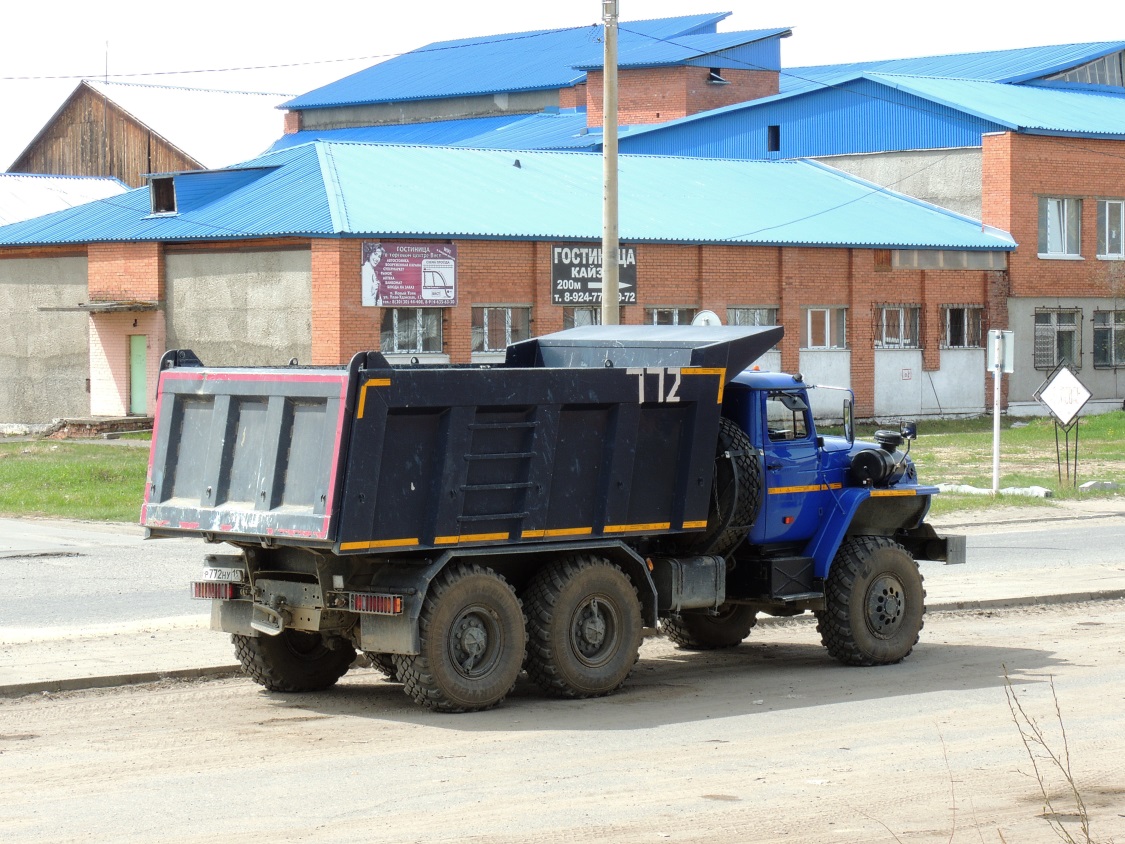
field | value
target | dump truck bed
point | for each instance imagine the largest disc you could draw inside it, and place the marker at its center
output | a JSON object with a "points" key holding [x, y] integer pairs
{"points": [[558, 443]]}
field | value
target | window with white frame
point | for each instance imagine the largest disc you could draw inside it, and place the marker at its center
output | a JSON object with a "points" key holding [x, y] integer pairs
{"points": [[495, 327], [1111, 225], [669, 316], [898, 327], [577, 317], [752, 316], [410, 331], [964, 326], [1060, 227], [1109, 338], [1058, 338], [824, 328]]}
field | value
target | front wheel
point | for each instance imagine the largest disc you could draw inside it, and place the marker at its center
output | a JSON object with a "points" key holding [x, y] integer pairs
{"points": [[294, 660], [473, 642], [874, 603]]}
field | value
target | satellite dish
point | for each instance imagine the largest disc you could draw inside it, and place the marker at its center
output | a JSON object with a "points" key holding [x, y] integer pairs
{"points": [[706, 318]]}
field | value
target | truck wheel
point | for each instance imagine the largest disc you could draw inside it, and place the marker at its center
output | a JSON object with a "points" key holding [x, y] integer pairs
{"points": [[473, 642], [698, 630], [384, 664], [293, 660], [583, 627], [874, 603], [736, 493]]}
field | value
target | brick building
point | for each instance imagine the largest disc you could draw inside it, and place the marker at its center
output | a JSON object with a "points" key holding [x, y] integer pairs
{"points": [[264, 262]]}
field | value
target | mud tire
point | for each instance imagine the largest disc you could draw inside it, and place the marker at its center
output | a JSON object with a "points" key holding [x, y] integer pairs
{"points": [[583, 627], [736, 494], [698, 630], [293, 660], [473, 642], [874, 603]]}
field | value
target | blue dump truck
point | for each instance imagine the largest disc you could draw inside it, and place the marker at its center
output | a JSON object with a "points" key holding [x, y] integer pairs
{"points": [[461, 524]]}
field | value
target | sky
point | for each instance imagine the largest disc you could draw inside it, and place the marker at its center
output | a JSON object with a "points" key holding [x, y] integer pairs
{"points": [[296, 48]]}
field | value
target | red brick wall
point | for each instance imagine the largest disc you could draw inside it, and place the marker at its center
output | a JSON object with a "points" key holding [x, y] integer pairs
{"points": [[341, 326], [653, 95], [119, 271], [292, 122], [573, 97], [1017, 170]]}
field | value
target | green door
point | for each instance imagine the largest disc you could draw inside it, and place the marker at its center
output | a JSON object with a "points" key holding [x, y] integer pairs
{"points": [[138, 368]]}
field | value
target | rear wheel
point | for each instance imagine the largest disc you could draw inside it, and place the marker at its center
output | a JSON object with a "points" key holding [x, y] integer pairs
{"points": [[294, 660], [583, 627], [473, 642], [874, 603], [700, 630]]}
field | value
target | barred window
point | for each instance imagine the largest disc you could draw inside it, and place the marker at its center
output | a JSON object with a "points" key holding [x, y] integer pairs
{"points": [[497, 327], [577, 317], [898, 327], [1109, 338], [752, 316], [410, 330], [964, 327], [669, 316], [1058, 338]]}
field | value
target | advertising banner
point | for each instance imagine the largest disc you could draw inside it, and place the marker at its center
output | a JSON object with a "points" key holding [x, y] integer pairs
{"points": [[409, 275], [576, 274]]}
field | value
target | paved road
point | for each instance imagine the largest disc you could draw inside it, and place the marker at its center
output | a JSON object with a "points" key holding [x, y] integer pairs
{"points": [[771, 741], [58, 573]]}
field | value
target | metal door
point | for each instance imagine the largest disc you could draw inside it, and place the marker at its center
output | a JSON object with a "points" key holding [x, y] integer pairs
{"points": [[138, 374]]}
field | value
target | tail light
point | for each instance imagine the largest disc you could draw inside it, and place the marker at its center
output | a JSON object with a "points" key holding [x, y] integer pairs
{"points": [[211, 590], [380, 604]]}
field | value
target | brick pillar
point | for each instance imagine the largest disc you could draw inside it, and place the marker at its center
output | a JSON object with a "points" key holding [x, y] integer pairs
{"points": [[292, 122], [123, 272], [341, 325]]}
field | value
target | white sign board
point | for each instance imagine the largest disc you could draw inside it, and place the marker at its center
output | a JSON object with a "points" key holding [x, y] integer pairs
{"points": [[1063, 395]]}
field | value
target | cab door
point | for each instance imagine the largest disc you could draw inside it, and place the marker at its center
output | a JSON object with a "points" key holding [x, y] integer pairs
{"points": [[793, 488]]}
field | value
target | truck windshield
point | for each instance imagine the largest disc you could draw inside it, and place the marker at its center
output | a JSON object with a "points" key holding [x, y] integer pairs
{"points": [[786, 416]]}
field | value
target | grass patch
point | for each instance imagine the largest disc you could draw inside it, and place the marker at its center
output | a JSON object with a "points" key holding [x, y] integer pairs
{"points": [[72, 480]]}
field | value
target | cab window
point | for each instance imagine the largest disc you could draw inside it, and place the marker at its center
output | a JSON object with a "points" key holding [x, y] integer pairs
{"points": [[786, 417]]}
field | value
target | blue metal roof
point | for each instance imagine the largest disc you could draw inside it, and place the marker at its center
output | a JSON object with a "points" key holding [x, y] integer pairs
{"points": [[361, 190], [522, 61], [724, 49], [872, 112], [1019, 65], [1024, 108], [554, 129]]}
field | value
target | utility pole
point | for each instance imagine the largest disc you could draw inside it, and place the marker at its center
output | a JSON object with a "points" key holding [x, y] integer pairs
{"points": [[610, 239]]}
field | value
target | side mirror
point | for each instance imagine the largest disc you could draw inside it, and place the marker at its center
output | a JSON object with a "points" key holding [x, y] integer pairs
{"points": [[909, 430], [849, 422]]}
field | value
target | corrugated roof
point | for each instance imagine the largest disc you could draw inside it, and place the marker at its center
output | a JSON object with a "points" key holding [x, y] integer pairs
{"points": [[650, 52], [187, 118], [390, 191], [557, 129], [1019, 65], [24, 195], [1023, 108], [520, 61]]}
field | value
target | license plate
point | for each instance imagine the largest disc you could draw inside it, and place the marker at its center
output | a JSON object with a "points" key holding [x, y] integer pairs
{"points": [[224, 575]]}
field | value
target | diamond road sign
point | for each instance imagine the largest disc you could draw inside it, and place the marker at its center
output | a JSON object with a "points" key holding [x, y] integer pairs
{"points": [[1063, 395]]}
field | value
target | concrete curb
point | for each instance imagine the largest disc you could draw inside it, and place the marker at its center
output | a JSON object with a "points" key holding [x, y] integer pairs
{"points": [[220, 671], [108, 681]]}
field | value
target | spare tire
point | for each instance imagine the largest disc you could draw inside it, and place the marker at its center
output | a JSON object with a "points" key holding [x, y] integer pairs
{"points": [[736, 494]]}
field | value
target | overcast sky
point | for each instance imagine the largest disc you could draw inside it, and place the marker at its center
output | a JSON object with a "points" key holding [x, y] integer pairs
{"points": [[328, 41]]}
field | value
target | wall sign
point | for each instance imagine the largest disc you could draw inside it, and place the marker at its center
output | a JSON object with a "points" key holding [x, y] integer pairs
{"points": [[409, 275], [576, 274]]}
